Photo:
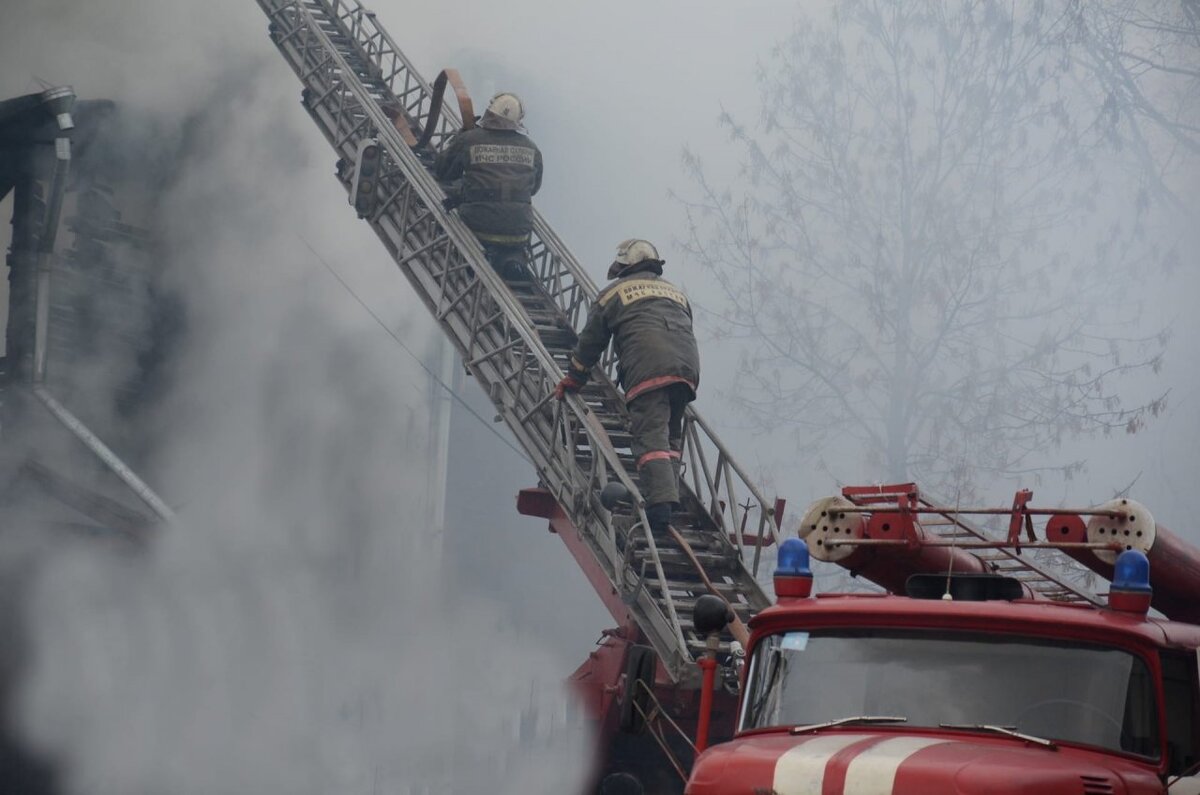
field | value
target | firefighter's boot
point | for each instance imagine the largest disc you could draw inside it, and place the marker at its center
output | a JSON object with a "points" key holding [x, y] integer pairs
{"points": [[659, 516], [511, 262]]}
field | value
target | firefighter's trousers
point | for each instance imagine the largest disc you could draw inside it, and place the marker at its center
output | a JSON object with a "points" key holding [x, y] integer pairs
{"points": [[656, 420]]}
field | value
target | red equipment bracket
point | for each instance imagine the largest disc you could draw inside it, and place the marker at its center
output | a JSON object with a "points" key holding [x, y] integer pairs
{"points": [[1020, 504]]}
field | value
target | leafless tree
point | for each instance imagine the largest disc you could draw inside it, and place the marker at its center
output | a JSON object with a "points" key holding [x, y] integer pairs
{"points": [[1144, 56], [920, 252]]}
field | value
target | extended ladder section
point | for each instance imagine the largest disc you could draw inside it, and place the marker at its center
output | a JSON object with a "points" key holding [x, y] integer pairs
{"points": [[515, 339]]}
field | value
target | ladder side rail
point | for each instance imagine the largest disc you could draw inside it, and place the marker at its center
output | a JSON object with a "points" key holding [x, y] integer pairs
{"points": [[707, 493], [731, 502], [348, 112], [710, 497], [571, 298], [703, 435], [689, 450]]}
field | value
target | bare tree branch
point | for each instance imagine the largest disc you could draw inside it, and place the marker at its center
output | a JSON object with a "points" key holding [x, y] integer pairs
{"points": [[904, 249]]}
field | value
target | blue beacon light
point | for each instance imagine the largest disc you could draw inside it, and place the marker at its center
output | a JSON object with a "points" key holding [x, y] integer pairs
{"points": [[793, 558], [793, 577], [1132, 571], [1131, 591]]}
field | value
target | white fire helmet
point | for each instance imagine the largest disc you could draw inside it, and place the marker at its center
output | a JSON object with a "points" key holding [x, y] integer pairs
{"points": [[504, 112], [631, 252]]}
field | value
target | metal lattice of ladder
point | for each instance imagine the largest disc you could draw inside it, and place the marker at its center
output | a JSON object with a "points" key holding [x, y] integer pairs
{"points": [[1056, 576], [515, 339], [1054, 581]]}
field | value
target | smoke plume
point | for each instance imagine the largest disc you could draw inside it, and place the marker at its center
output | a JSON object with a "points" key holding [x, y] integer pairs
{"points": [[291, 634]]}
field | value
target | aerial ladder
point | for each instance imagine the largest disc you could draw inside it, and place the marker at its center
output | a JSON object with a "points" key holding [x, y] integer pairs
{"points": [[382, 119]]}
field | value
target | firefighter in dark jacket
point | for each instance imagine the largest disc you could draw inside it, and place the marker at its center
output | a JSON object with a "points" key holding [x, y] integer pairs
{"points": [[658, 365], [493, 171]]}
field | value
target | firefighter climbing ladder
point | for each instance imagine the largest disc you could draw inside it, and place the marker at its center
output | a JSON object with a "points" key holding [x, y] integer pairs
{"points": [[360, 89]]}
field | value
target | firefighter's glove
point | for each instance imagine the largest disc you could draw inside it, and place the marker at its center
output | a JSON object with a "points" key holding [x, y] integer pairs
{"points": [[450, 202], [569, 384]]}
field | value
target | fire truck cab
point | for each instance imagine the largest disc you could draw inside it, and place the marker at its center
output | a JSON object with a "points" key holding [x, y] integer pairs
{"points": [[963, 683]]}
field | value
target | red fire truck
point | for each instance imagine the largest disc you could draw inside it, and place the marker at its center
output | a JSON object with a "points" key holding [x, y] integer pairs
{"points": [[968, 674]]}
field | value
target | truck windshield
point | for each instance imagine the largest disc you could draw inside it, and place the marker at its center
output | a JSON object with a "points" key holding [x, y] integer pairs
{"points": [[1056, 690]]}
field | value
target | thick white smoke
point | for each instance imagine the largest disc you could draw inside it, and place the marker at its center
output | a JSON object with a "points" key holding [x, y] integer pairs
{"points": [[291, 634]]}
